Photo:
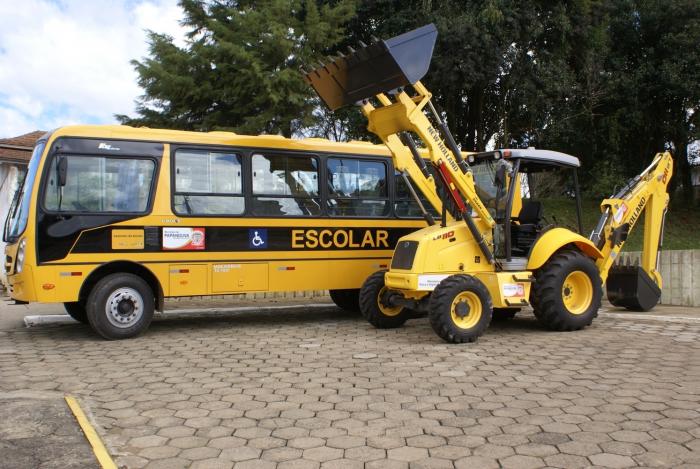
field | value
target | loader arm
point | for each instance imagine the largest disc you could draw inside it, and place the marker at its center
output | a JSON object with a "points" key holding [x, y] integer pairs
{"points": [[384, 70], [395, 122], [645, 194]]}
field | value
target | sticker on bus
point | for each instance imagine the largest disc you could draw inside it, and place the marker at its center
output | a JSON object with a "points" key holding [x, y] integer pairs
{"points": [[127, 239], [183, 239], [257, 238]]}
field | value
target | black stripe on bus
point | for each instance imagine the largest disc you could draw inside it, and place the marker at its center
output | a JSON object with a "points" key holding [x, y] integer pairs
{"points": [[227, 261], [242, 239]]}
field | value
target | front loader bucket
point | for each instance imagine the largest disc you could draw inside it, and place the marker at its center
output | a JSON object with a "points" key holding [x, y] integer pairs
{"points": [[629, 286], [377, 68]]}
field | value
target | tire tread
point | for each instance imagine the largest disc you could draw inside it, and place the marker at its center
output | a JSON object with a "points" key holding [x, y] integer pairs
{"points": [[370, 308], [441, 303], [546, 293]]}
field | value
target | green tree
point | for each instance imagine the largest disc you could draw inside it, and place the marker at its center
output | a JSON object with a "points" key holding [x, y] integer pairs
{"points": [[240, 67], [610, 81], [656, 89]]}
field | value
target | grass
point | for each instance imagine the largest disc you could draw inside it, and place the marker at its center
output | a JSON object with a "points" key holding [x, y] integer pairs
{"points": [[682, 229]]}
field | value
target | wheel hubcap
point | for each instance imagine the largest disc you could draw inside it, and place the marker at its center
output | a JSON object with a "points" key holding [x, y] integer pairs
{"points": [[124, 307], [466, 310], [577, 292]]}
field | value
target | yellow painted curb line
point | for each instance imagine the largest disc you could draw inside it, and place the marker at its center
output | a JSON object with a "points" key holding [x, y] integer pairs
{"points": [[98, 447]]}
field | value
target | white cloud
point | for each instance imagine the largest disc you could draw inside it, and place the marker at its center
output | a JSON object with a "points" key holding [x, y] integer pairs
{"points": [[69, 62]]}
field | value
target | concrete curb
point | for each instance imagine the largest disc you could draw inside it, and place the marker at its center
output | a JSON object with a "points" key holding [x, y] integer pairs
{"points": [[651, 317], [64, 319]]}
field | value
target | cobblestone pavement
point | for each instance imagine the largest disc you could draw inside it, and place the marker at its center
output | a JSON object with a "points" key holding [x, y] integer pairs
{"points": [[321, 388]]}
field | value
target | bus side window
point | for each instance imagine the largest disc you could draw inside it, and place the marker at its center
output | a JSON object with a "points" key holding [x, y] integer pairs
{"points": [[285, 185], [96, 184], [405, 205], [357, 188], [208, 183]]}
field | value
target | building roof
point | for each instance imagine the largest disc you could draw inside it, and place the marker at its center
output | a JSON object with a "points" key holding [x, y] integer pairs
{"points": [[19, 149]]}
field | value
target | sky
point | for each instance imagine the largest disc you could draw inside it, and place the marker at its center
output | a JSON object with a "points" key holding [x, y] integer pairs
{"points": [[68, 61]]}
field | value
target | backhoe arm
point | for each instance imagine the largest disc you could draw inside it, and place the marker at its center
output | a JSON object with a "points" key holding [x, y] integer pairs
{"points": [[645, 194]]}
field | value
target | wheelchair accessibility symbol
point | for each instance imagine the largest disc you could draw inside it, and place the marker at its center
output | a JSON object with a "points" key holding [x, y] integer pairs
{"points": [[257, 238]]}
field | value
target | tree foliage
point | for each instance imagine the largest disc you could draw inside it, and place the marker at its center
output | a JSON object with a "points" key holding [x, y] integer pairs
{"points": [[240, 67], [610, 81]]}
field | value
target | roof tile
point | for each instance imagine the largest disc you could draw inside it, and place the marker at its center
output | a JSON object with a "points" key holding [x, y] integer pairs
{"points": [[17, 154]]}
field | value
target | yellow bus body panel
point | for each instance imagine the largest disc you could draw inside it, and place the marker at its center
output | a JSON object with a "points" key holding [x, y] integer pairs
{"points": [[338, 262]]}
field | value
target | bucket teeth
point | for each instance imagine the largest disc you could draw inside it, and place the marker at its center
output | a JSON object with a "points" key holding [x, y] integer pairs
{"points": [[372, 69]]}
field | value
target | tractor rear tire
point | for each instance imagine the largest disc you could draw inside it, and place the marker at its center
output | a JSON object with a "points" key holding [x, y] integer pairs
{"points": [[460, 309], [372, 309], [567, 292], [348, 300]]}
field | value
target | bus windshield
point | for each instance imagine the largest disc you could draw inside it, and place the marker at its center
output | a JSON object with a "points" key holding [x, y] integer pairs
{"points": [[19, 211]]}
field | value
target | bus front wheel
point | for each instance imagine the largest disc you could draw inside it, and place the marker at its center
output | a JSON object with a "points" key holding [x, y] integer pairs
{"points": [[76, 310], [120, 306]]}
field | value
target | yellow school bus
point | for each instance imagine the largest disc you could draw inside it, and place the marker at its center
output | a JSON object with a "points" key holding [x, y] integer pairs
{"points": [[110, 220]]}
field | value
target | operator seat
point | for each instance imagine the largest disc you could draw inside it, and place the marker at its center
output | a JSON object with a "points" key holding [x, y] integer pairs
{"points": [[528, 226]]}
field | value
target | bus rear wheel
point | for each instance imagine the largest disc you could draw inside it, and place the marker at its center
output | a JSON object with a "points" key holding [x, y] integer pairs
{"points": [[374, 310], [349, 300], [76, 310], [120, 306]]}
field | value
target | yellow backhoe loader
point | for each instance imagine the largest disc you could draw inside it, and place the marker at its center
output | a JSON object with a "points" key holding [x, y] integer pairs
{"points": [[491, 252]]}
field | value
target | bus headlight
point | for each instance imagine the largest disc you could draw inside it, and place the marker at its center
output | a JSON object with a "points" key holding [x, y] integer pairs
{"points": [[19, 263]]}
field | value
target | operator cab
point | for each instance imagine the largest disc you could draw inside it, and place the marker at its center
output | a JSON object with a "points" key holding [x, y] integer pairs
{"points": [[517, 186]]}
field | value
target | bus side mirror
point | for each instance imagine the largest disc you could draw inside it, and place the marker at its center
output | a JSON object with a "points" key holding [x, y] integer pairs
{"points": [[62, 169]]}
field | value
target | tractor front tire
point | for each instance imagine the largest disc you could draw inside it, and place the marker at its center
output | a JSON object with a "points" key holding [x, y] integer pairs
{"points": [[460, 309], [567, 292], [348, 300], [371, 307]]}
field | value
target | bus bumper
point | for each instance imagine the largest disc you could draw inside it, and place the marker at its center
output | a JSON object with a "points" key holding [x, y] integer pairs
{"points": [[20, 285]]}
